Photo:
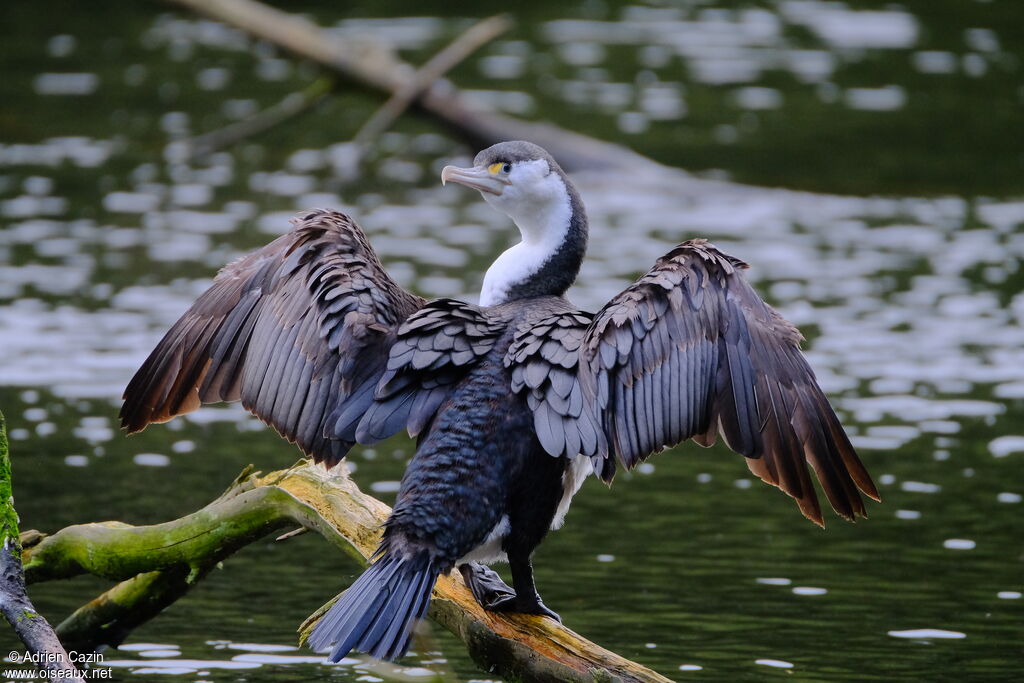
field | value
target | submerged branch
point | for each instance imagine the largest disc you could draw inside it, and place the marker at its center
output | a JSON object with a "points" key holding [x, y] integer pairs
{"points": [[157, 564], [288, 108], [109, 618], [436, 67], [375, 67]]}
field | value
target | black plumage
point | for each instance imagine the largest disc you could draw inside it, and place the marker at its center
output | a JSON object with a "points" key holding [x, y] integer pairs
{"points": [[513, 403], [378, 613]]}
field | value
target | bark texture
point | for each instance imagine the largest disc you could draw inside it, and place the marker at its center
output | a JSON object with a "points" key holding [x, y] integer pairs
{"points": [[32, 628]]}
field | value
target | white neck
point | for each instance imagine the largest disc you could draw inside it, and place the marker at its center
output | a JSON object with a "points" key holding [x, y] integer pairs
{"points": [[543, 227]]}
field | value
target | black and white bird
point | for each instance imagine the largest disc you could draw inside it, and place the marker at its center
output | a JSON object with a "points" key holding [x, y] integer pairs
{"points": [[514, 400]]}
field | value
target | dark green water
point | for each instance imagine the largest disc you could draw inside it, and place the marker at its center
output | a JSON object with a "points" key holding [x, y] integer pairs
{"points": [[894, 132]]}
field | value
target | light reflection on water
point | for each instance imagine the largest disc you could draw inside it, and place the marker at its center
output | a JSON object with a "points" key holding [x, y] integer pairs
{"points": [[143, 658], [911, 305]]}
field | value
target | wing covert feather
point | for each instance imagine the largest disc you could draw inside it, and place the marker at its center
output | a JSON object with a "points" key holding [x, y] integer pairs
{"points": [[543, 359], [432, 350]]}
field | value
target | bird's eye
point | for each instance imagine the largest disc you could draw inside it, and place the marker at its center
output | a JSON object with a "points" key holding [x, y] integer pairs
{"points": [[507, 168]]}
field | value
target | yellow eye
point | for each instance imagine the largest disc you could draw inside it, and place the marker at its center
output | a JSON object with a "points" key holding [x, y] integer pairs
{"points": [[493, 169]]}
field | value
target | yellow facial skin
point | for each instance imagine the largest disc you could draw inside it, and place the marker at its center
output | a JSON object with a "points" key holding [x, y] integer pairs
{"points": [[493, 169]]}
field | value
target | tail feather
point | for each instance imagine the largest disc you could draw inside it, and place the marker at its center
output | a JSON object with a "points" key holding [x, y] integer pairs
{"points": [[378, 612], [401, 645], [413, 603]]}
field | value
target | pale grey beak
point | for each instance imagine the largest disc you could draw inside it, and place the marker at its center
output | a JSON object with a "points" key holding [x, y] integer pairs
{"points": [[478, 178]]}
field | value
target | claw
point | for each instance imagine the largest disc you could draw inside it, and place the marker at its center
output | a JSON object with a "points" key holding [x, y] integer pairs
{"points": [[516, 605], [494, 595]]}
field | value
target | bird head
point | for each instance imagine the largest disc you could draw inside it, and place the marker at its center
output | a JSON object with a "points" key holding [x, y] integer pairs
{"points": [[522, 181]]}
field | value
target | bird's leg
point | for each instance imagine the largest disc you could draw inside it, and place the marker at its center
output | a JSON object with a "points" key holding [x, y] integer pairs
{"points": [[485, 584], [526, 599]]}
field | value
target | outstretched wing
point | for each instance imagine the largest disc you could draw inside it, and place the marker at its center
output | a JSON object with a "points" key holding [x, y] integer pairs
{"points": [[298, 330], [688, 351]]}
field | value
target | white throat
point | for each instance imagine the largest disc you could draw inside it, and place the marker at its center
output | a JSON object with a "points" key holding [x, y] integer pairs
{"points": [[543, 222]]}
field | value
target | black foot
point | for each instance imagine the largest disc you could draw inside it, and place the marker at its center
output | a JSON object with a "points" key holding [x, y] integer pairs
{"points": [[520, 606], [495, 595], [485, 584]]}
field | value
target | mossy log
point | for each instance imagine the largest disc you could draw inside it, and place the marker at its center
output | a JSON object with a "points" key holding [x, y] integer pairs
{"points": [[158, 564], [31, 627]]}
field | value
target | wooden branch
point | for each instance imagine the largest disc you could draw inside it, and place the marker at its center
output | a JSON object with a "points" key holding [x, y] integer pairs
{"points": [[111, 617], [380, 70], [31, 627], [365, 64], [437, 66], [113, 550], [515, 646], [287, 109], [330, 503]]}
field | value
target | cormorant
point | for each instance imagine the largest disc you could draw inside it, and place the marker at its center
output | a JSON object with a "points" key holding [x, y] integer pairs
{"points": [[514, 400]]}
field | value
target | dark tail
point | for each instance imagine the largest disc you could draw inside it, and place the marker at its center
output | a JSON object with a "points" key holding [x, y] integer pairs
{"points": [[378, 612]]}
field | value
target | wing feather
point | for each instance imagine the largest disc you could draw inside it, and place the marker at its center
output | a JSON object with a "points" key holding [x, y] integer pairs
{"points": [[291, 330], [690, 350]]}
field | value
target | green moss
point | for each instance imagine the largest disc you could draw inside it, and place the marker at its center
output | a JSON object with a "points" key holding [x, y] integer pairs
{"points": [[8, 516], [117, 551]]}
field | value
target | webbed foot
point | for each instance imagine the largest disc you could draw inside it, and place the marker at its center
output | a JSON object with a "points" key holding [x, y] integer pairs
{"points": [[523, 606], [495, 595], [485, 584]]}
